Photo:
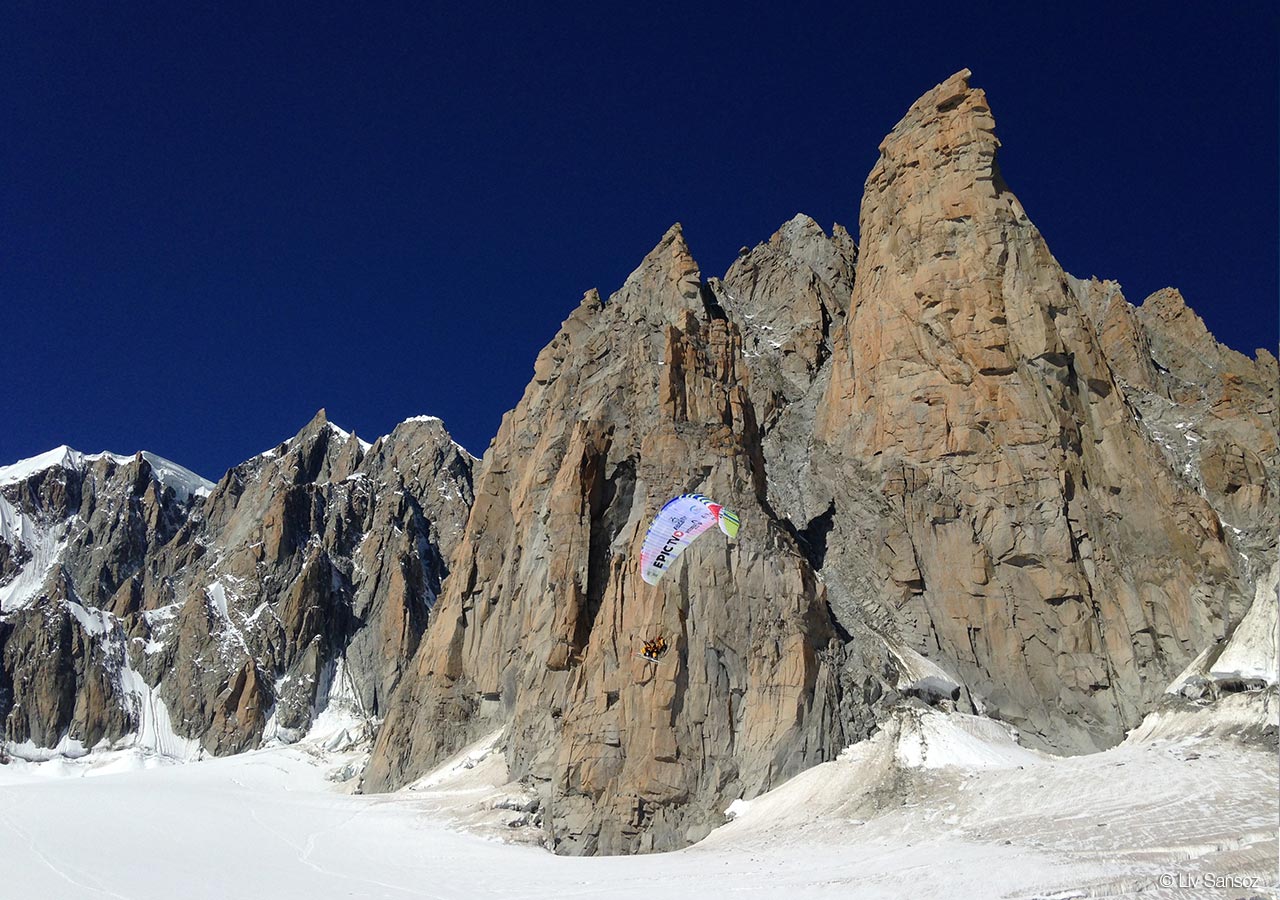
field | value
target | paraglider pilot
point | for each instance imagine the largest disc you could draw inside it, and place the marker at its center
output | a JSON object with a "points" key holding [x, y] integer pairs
{"points": [[656, 648]]}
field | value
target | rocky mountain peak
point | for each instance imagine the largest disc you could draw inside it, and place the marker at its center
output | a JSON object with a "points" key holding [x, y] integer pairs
{"points": [[667, 281], [784, 295], [950, 129], [1182, 346], [970, 376], [321, 451], [936, 415], [801, 238], [632, 403]]}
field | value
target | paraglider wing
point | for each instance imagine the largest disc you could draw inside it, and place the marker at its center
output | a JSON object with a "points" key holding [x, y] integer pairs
{"points": [[728, 523], [675, 527]]}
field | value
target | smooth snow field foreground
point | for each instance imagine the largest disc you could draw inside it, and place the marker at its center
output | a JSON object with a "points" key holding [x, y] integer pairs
{"points": [[933, 806]]}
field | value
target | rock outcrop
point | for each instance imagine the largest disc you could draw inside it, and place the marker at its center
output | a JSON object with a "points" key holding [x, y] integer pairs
{"points": [[74, 529], [1212, 410]]}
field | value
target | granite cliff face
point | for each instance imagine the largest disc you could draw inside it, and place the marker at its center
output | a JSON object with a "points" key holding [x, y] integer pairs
{"points": [[949, 489], [636, 399], [1211, 410], [1038, 541], [965, 478], [215, 622]]}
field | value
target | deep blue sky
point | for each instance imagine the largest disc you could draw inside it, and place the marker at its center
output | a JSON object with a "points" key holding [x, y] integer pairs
{"points": [[215, 220]]}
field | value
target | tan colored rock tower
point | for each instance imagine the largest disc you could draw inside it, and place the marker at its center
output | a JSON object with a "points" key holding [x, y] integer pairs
{"points": [[946, 486]]}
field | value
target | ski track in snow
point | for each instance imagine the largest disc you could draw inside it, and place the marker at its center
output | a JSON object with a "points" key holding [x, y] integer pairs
{"points": [[60, 870]]}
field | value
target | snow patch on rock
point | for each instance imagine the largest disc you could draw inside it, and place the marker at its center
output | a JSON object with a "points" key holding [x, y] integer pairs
{"points": [[934, 740], [44, 545]]}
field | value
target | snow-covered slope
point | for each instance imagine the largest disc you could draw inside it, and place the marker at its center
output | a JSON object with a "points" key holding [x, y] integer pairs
{"points": [[1253, 651], [41, 545], [933, 806], [1250, 655], [968, 813], [1230, 689]]}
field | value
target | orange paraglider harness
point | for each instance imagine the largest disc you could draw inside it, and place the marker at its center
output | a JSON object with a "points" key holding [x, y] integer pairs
{"points": [[655, 649]]}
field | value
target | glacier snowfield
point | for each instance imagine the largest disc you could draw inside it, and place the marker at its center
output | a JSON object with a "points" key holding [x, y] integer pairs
{"points": [[932, 806]]}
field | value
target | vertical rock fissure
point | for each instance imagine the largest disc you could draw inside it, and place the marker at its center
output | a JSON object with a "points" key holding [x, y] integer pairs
{"points": [[611, 508]]}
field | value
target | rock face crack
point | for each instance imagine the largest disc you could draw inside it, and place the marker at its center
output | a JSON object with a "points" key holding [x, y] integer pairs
{"points": [[813, 537]]}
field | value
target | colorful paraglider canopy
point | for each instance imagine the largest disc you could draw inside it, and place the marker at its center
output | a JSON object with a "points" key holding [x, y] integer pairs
{"points": [[675, 527]]}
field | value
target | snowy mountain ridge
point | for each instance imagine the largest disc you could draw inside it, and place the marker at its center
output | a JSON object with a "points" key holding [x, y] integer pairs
{"points": [[143, 606], [366, 446], [37, 533], [182, 480]]}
